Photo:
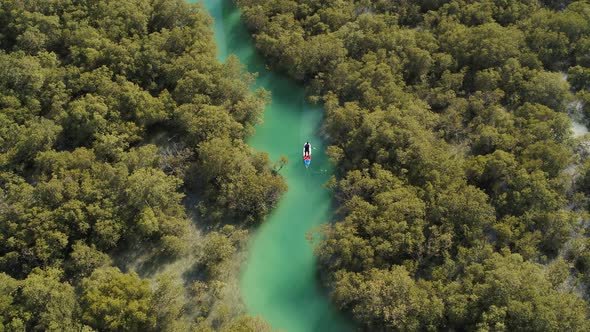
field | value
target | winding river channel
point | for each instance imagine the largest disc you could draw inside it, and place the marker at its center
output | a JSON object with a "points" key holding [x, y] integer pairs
{"points": [[278, 281]]}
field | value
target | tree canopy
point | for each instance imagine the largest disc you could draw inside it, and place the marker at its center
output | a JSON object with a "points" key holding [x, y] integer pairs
{"points": [[113, 116], [457, 181]]}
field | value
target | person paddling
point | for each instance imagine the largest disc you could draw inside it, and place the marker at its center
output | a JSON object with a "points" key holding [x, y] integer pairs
{"points": [[307, 149]]}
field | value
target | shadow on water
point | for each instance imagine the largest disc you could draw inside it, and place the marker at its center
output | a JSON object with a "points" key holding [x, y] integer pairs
{"points": [[236, 35]]}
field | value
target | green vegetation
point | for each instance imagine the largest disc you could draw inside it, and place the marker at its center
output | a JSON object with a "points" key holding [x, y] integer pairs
{"points": [[115, 116], [457, 205]]}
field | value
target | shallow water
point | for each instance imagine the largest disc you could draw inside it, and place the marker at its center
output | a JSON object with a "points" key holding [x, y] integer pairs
{"points": [[579, 129], [279, 279]]}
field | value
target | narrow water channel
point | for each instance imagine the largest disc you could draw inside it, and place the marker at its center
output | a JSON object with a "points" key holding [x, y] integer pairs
{"points": [[279, 279]]}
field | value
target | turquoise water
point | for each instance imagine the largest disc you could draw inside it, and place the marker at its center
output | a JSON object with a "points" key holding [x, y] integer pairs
{"points": [[279, 278]]}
